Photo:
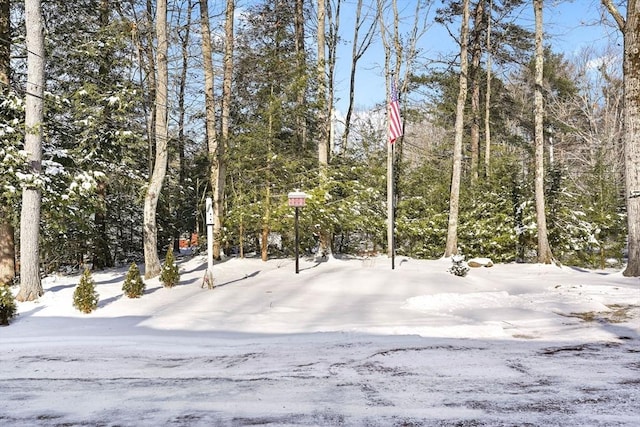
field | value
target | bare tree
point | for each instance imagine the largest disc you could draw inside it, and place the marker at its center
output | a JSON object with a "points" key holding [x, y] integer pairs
{"points": [[630, 29], [30, 284], [544, 250], [151, 260], [185, 40], [451, 247], [358, 48]]}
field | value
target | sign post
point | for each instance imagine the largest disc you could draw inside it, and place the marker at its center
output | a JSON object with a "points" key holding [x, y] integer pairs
{"points": [[297, 199], [208, 276]]}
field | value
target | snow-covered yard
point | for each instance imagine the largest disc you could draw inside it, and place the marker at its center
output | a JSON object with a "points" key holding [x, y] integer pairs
{"points": [[345, 342]]}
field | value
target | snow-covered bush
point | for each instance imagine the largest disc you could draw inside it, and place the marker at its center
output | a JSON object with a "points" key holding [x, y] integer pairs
{"points": [[459, 267], [85, 297], [8, 307], [133, 286], [170, 275]]}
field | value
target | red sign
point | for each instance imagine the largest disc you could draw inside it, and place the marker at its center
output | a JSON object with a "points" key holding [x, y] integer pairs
{"points": [[297, 199]]}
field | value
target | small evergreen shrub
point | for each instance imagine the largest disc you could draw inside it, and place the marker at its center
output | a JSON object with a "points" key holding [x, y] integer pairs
{"points": [[85, 297], [133, 286], [169, 276], [8, 306], [459, 267]]}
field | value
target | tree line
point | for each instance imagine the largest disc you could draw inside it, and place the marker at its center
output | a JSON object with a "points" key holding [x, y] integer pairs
{"points": [[118, 119]]}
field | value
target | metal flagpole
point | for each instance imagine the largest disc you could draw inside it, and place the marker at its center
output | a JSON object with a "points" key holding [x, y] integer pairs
{"points": [[393, 209], [395, 131]]}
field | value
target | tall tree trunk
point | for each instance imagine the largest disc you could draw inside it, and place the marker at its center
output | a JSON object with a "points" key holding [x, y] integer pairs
{"points": [[152, 87], [301, 63], [454, 200], [544, 250], [333, 21], [219, 188], [186, 40], [101, 252], [101, 255], [151, 259], [213, 144], [266, 215], [7, 243], [5, 45], [323, 134], [7, 249], [323, 118], [487, 98], [631, 72], [476, 54], [323, 149], [357, 50], [355, 57], [30, 284]]}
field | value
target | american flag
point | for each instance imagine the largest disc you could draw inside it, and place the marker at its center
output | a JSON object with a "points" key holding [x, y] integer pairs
{"points": [[395, 122]]}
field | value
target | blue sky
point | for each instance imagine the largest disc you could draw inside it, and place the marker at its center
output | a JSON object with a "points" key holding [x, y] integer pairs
{"points": [[570, 26]]}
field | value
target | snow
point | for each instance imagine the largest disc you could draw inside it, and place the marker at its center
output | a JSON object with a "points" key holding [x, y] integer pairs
{"points": [[348, 342]]}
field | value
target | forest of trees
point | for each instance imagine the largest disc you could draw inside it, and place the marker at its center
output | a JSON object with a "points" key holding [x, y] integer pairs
{"points": [[118, 119]]}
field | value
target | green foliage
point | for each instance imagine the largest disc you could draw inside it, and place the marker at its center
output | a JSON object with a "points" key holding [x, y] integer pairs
{"points": [[422, 213], [585, 217], [133, 286], [94, 153], [8, 308], [12, 159], [169, 275], [85, 297]]}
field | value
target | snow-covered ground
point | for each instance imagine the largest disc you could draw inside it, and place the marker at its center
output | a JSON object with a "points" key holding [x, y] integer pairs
{"points": [[345, 342]]}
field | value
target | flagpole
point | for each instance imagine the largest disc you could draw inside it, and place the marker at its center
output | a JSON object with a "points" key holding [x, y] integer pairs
{"points": [[393, 209], [395, 131], [390, 197]]}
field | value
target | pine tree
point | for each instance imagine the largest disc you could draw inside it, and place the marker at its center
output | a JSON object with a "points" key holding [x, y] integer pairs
{"points": [[169, 275], [8, 307], [85, 297], [133, 286]]}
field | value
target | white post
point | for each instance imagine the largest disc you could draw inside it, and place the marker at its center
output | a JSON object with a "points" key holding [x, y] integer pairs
{"points": [[209, 218], [208, 277]]}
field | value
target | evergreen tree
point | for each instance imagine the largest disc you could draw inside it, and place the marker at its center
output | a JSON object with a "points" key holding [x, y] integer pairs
{"points": [[11, 168], [169, 275], [266, 157], [85, 297], [8, 307], [133, 286]]}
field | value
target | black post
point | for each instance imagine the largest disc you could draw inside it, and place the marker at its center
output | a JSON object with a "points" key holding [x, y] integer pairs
{"points": [[297, 241]]}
